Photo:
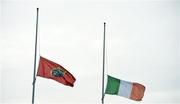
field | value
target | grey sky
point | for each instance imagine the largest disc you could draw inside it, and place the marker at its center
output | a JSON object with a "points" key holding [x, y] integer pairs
{"points": [[142, 46]]}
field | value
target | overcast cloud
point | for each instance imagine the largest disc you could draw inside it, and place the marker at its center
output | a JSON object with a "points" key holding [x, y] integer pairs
{"points": [[143, 45]]}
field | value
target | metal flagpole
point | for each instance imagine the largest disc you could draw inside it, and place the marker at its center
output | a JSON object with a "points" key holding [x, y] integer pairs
{"points": [[34, 76], [103, 64]]}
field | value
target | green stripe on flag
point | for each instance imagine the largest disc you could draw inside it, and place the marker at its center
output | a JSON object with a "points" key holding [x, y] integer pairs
{"points": [[112, 86]]}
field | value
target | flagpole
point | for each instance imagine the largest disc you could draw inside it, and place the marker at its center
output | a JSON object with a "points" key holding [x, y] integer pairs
{"points": [[103, 64], [34, 75]]}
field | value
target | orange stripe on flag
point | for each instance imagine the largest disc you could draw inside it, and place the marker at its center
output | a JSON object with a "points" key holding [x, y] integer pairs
{"points": [[137, 92]]}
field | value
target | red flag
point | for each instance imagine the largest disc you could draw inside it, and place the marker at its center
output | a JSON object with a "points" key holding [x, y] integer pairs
{"points": [[52, 70]]}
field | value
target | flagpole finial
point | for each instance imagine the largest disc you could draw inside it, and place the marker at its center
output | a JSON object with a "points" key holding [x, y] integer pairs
{"points": [[104, 22]]}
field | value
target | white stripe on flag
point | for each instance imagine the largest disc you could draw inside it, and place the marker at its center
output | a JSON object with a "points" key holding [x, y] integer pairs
{"points": [[125, 89]]}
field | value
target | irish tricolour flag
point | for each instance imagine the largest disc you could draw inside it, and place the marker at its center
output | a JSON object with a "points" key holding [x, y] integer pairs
{"points": [[134, 91]]}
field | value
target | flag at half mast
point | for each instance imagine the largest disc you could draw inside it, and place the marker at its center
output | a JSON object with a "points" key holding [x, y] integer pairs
{"points": [[51, 70], [131, 90]]}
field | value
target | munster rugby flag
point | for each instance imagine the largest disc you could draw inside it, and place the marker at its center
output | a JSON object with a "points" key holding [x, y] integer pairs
{"points": [[131, 90], [52, 70]]}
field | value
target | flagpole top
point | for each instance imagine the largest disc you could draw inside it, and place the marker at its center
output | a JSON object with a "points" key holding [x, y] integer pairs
{"points": [[104, 22], [37, 8]]}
